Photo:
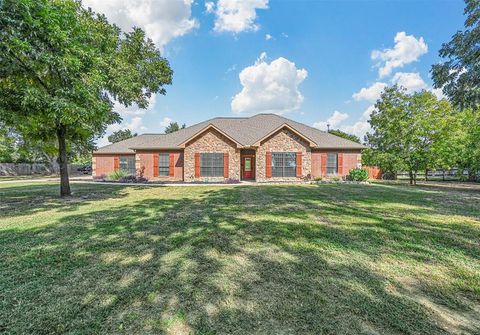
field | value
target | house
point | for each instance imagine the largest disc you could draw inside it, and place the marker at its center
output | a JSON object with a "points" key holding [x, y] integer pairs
{"points": [[262, 148]]}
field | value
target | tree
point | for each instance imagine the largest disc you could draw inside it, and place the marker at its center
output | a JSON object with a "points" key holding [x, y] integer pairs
{"points": [[411, 132], [468, 156], [173, 127], [344, 135], [459, 75], [121, 135], [61, 67]]}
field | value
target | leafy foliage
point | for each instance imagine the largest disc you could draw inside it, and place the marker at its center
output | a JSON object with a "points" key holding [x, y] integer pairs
{"points": [[459, 74], [62, 65], [120, 135], [344, 135], [412, 132], [358, 175], [116, 175], [173, 127]]}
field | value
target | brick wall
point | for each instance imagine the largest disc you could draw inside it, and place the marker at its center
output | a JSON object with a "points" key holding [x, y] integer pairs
{"points": [[211, 141], [102, 164], [351, 160], [282, 141], [145, 159]]}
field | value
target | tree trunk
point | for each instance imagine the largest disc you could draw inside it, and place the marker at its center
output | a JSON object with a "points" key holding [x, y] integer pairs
{"points": [[472, 175], [410, 174], [426, 174], [415, 178], [62, 162], [443, 175]]}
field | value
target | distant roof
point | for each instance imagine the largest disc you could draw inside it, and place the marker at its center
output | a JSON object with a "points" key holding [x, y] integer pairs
{"points": [[246, 131]]}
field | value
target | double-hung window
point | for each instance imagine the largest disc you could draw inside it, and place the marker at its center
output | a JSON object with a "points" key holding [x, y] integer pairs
{"points": [[284, 164], [127, 164], [164, 164], [211, 164], [332, 164]]}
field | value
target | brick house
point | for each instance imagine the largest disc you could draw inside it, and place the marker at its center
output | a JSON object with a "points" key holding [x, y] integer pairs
{"points": [[262, 148]]}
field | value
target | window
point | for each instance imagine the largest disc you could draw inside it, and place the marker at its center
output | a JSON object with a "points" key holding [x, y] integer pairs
{"points": [[164, 165], [127, 164], [211, 164], [284, 164], [332, 163]]}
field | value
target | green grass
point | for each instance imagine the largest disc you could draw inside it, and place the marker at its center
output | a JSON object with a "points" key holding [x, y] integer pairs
{"points": [[26, 177], [338, 259]]}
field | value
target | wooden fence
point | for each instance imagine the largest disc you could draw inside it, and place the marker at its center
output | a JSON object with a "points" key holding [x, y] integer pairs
{"points": [[26, 169]]}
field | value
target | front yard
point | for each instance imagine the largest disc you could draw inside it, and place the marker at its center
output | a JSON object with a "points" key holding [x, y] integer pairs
{"points": [[343, 259]]}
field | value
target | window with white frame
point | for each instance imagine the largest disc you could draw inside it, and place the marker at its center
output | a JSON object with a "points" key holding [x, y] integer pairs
{"points": [[284, 164], [164, 164], [332, 163], [127, 164], [211, 164]]}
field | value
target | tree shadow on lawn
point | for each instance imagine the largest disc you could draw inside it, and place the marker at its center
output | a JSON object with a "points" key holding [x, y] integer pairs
{"points": [[28, 199], [236, 261]]}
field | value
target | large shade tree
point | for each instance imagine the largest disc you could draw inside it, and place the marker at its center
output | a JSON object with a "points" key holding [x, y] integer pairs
{"points": [[61, 68], [459, 72]]}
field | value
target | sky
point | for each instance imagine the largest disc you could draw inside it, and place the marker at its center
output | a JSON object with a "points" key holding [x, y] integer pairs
{"points": [[317, 62]]}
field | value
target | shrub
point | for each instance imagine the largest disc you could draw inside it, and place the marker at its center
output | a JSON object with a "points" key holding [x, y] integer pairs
{"points": [[318, 179], [358, 175], [116, 175], [335, 179], [231, 181], [133, 179]]}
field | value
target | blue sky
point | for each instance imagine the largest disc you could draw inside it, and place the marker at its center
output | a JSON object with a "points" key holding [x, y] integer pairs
{"points": [[306, 60]]}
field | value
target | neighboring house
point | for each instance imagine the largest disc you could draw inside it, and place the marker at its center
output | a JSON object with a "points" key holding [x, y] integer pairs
{"points": [[264, 147]]}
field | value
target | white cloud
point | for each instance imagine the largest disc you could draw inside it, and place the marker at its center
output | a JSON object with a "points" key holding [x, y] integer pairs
{"points": [[209, 6], [333, 121], [438, 92], [336, 121], [269, 87], [165, 121], [407, 49], [237, 15], [162, 20], [411, 81], [268, 37], [371, 93], [134, 109], [135, 125]]}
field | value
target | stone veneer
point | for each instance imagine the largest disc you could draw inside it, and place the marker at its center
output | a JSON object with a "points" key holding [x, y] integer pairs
{"points": [[211, 141], [283, 141]]}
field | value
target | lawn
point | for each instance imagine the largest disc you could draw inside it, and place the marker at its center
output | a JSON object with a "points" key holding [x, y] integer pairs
{"points": [[279, 259]]}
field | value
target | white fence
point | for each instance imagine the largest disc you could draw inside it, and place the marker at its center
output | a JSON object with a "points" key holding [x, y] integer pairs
{"points": [[25, 169]]}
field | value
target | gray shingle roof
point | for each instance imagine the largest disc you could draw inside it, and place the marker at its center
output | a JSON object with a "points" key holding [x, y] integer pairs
{"points": [[246, 131]]}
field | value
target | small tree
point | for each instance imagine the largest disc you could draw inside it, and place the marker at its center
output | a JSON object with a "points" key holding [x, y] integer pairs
{"points": [[120, 135], [173, 127], [62, 65], [411, 131], [344, 135]]}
